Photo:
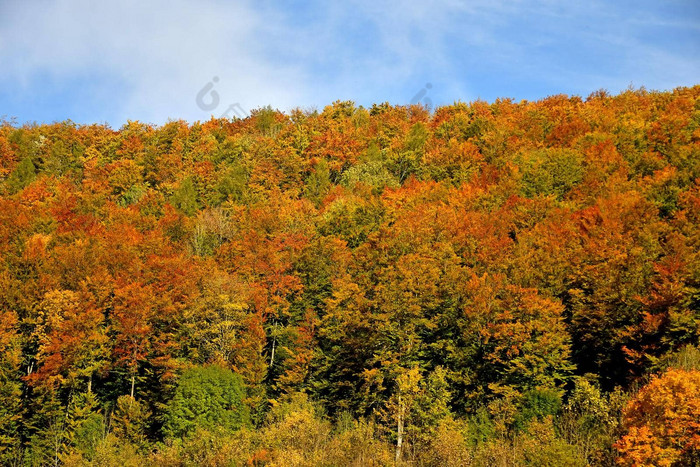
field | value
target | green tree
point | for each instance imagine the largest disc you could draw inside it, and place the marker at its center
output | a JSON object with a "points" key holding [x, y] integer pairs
{"points": [[550, 172], [318, 183], [185, 197], [207, 397], [86, 425], [233, 183], [10, 388], [23, 175]]}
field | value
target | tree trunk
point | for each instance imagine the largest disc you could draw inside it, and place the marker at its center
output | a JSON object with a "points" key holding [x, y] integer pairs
{"points": [[399, 430], [133, 383], [274, 343]]}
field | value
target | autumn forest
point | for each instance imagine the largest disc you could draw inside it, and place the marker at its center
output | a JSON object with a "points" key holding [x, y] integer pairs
{"points": [[503, 283]]}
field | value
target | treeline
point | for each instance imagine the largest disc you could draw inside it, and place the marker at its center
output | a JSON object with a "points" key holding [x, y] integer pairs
{"points": [[514, 283]]}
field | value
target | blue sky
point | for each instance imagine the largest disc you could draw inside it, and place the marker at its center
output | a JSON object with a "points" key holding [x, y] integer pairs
{"points": [[133, 60]]}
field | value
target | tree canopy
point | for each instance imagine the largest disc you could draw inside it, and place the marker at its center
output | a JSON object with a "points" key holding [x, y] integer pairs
{"points": [[478, 282]]}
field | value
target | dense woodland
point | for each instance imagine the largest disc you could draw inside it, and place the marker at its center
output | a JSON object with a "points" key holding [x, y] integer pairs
{"points": [[506, 283]]}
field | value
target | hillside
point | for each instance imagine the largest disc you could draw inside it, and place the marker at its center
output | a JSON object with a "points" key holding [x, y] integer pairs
{"points": [[487, 283]]}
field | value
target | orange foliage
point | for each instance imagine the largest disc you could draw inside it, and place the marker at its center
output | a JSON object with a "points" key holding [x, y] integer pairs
{"points": [[663, 422]]}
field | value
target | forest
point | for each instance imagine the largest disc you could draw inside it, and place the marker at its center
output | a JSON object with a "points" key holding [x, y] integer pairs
{"points": [[485, 284]]}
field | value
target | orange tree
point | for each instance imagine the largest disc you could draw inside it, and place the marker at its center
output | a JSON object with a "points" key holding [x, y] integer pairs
{"points": [[663, 422]]}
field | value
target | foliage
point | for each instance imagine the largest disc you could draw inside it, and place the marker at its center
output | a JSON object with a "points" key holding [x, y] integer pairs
{"points": [[23, 175], [206, 397], [662, 422], [488, 283]]}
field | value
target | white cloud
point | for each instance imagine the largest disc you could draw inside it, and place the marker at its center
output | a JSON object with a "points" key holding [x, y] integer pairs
{"points": [[155, 56], [160, 52], [148, 60]]}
